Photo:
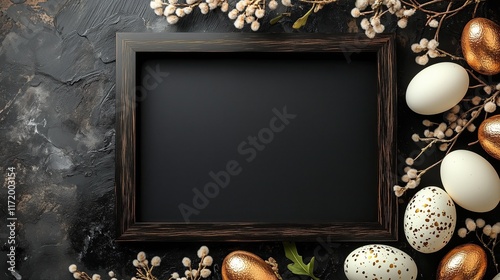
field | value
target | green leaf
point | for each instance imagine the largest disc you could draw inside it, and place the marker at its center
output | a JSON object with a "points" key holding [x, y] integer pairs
{"points": [[303, 19], [276, 19], [298, 266]]}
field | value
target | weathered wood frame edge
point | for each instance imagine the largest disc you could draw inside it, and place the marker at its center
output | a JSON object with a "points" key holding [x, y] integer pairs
{"points": [[128, 44]]}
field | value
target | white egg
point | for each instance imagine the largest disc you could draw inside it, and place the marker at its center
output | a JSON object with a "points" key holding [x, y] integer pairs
{"points": [[430, 220], [437, 88], [470, 180], [497, 277], [377, 261]]}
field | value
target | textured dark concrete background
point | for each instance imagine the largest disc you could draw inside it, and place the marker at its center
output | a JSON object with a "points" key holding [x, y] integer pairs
{"points": [[57, 117]]}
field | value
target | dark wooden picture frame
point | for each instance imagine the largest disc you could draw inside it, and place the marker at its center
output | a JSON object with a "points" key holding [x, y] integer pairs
{"points": [[130, 229]]}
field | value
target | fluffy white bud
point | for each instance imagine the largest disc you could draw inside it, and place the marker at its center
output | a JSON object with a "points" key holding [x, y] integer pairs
{"points": [[159, 11], [455, 109], [204, 9], [409, 13], [186, 262], [470, 224], [202, 252], [434, 23], [170, 9], [180, 12], [249, 19], [495, 228], [403, 22], [379, 28], [487, 230], [370, 33], [172, 19], [361, 4], [490, 107], [374, 21], [365, 24], [462, 232], [255, 25], [432, 44], [416, 48], [259, 13], [273, 5], [155, 4], [443, 147], [205, 273], [480, 223], [415, 137], [433, 53], [422, 59], [355, 13], [240, 6], [423, 42], [233, 14], [224, 7], [239, 23]]}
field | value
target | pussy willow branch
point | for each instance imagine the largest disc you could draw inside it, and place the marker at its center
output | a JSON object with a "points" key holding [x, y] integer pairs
{"points": [[321, 2], [490, 250], [442, 15], [452, 141], [420, 6]]}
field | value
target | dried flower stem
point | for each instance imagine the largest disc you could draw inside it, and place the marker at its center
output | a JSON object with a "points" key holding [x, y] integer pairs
{"points": [[488, 232], [431, 139], [84, 276], [436, 17], [200, 267], [443, 17], [146, 273], [320, 2], [452, 57], [274, 266], [493, 243], [454, 139], [420, 6]]}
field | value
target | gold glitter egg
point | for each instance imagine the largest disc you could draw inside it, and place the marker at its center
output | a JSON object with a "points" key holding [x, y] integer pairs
{"points": [[489, 136], [243, 265], [466, 261], [480, 41]]}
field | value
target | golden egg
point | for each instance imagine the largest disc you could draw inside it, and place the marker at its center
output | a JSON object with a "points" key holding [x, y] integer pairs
{"points": [[480, 41], [243, 265], [489, 136], [467, 262]]}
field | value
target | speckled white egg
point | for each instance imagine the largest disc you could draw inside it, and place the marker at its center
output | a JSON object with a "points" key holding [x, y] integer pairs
{"points": [[470, 180], [430, 219], [437, 88], [377, 261]]}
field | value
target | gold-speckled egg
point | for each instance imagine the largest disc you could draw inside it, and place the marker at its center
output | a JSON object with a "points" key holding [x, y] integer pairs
{"points": [[466, 261], [243, 265], [489, 136], [480, 41]]}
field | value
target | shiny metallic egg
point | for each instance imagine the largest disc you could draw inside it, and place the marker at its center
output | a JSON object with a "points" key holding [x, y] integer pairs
{"points": [[242, 265], [480, 41], [466, 261], [489, 136]]}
